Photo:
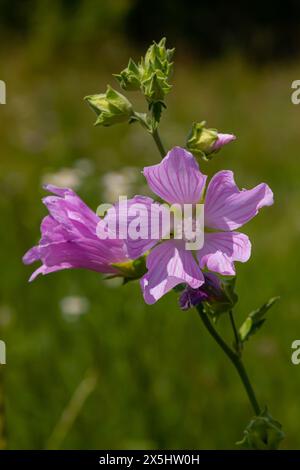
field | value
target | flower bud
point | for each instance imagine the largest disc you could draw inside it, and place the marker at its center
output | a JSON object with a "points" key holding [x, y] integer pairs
{"points": [[129, 79], [158, 57], [203, 142], [156, 69], [216, 295], [210, 291], [155, 87], [111, 107]]}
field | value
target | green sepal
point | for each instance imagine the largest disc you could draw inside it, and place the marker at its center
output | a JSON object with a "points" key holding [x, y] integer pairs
{"points": [[222, 301], [200, 140], [110, 107], [132, 269], [155, 86], [130, 78], [155, 71]]}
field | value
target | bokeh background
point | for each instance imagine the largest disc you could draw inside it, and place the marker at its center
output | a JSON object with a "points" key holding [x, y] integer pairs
{"points": [[89, 365]]}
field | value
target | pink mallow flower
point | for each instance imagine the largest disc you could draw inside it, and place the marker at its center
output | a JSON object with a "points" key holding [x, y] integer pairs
{"points": [[69, 238], [178, 179]]}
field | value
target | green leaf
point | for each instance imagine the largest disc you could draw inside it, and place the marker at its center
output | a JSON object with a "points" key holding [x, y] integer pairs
{"points": [[262, 433], [255, 320]]}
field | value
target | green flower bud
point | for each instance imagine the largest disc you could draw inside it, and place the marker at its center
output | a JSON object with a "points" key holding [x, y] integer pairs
{"points": [[262, 433], [111, 107], [155, 87], [155, 69], [129, 79], [200, 140], [159, 58], [203, 142]]}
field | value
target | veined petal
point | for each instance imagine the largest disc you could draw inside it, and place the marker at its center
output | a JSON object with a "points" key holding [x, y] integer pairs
{"points": [[221, 249], [69, 238], [71, 212], [47, 270], [177, 178], [84, 253], [169, 264], [227, 207]]}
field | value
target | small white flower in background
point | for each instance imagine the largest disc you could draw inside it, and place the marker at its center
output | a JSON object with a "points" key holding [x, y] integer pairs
{"points": [[66, 177], [85, 166], [73, 306], [70, 177], [119, 182]]}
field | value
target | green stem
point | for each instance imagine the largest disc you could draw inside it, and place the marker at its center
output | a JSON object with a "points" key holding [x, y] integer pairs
{"points": [[236, 335], [158, 142], [235, 359]]}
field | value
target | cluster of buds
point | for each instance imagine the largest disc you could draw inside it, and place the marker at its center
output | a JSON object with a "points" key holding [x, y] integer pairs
{"points": [[151, 74], [203, 142]]}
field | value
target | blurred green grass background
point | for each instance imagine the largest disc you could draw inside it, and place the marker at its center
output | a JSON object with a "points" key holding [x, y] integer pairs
{"points": [[117, 373]]}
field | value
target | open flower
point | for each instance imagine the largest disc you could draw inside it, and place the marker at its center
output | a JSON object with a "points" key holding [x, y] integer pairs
{"points": [[69, 238], [177, 179]]}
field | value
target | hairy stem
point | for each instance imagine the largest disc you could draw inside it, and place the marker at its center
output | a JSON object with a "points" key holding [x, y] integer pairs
{"points": [[234, 358]]}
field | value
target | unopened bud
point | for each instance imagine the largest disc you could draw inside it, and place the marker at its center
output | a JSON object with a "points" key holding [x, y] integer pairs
{"points": [[203, 142], [111, 107]]}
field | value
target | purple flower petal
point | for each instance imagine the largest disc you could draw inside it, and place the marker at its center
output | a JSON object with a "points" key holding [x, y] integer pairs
{"points": [[169, 264], [210, 290], [221, 249], [141, 217], [228, 208], [69, 238], [47, 270], [177, 179], [222, 139], [31, 255]]}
